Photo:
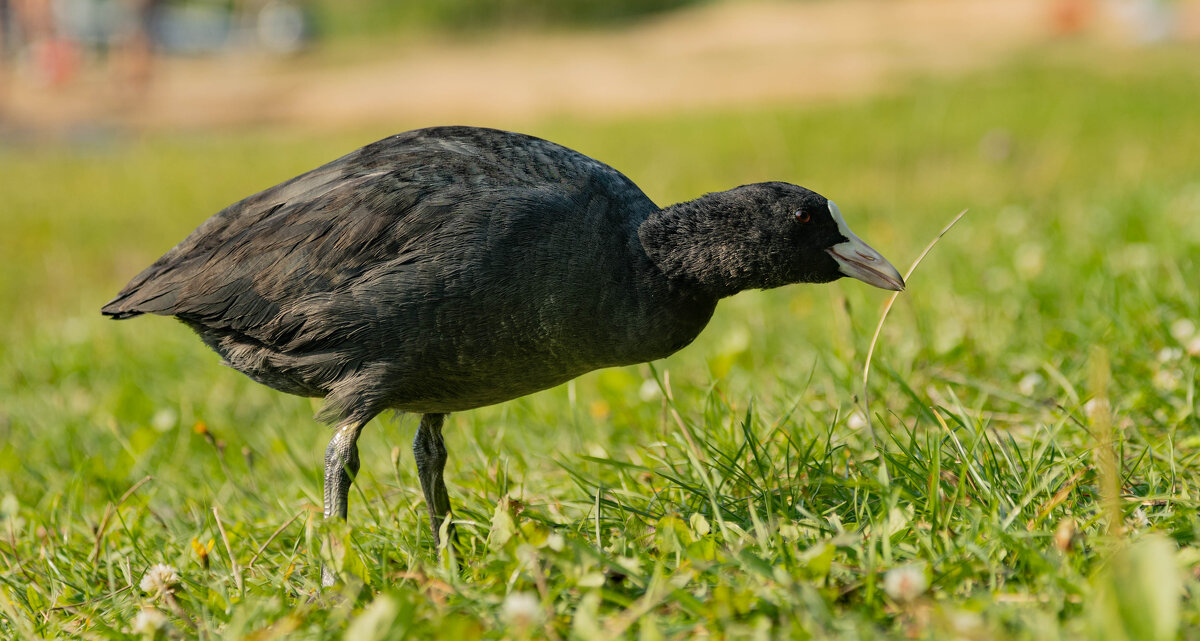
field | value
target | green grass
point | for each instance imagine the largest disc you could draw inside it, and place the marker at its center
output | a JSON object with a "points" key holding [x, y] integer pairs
{"points": [[1068, 289]]}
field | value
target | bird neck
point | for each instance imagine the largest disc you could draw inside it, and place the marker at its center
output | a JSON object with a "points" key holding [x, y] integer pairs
{"points": [[699, 245]]}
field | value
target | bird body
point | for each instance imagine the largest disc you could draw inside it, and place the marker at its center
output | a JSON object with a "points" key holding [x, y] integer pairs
{"points": [[433, 271], [448, 268]]}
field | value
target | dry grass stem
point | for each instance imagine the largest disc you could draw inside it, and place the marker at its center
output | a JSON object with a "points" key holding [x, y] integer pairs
{"points": [[883, 317], [233, 564]]}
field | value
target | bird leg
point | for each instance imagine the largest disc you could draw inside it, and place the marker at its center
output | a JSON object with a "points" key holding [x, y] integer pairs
{"points": [[341, 466], [429, 450]]}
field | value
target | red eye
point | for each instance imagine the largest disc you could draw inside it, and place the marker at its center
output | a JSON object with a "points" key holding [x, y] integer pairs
{"points": [[803, 216]]}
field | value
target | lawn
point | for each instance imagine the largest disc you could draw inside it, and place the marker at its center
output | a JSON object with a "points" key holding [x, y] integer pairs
{"points": [[1034, 471]]}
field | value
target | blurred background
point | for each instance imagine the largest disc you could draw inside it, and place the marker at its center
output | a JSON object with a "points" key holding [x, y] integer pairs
{"points": [[78, 68]]}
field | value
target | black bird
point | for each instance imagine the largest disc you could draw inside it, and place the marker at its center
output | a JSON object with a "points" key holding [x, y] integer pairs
{"points": [[448, 268]]}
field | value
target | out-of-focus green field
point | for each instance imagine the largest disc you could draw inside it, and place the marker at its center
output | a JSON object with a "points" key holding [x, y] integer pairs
{"points": [[1066, 301]]}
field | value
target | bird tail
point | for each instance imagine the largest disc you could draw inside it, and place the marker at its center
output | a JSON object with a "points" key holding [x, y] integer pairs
{"points": [[120, 308], [147, 293]]}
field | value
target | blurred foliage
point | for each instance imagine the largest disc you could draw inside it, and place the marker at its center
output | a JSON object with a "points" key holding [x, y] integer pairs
{"points": [[379, 17]]}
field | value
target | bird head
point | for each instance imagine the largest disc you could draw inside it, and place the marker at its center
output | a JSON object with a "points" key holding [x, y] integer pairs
{"points": [[824, 248], [761, 236]]}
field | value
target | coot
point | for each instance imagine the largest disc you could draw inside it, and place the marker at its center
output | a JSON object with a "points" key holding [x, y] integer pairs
{"points": [[448, 268]]}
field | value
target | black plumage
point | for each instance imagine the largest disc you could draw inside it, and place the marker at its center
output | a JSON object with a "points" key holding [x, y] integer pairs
{"points": [[449, 268]]}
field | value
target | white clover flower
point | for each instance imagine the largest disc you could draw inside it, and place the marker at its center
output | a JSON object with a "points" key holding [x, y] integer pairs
{"points": [[1193, 346], [649, 390], [965, 623], [856, 421], [1029, 383], [630, 564], [906, 582], [164, 419], [521, 609], [148, 621], [1030, 260], [160, 579], [1183, 329], [1093, 408], [1167, 380], [1168, 354]]}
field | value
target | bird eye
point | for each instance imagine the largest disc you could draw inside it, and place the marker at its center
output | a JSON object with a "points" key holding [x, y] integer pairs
{"points": [[803, 216]]}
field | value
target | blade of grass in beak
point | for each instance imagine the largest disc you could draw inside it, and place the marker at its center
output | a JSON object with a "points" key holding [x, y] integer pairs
{"points": [[879, 328]]}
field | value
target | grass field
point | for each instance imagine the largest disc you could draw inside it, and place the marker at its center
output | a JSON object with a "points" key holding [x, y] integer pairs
{"points": [[1037, 474]]}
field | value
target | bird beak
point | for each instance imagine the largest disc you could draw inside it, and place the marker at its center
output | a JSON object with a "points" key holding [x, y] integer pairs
{"points": [[857, 260]]}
